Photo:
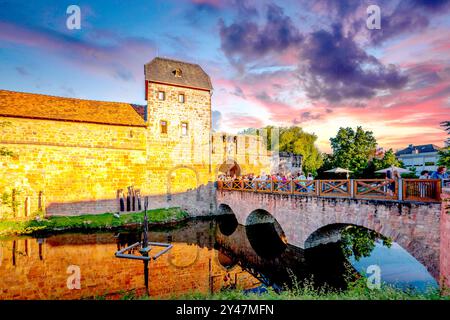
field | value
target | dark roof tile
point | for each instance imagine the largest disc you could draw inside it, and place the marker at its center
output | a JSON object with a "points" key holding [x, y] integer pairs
{"points": [[164, 71], [425, 148]]}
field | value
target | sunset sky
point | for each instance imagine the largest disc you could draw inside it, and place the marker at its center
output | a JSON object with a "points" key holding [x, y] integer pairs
{"points": [[308, 63]]}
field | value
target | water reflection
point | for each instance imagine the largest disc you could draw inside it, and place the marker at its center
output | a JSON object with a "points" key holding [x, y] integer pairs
{"points": [[207, 256]]}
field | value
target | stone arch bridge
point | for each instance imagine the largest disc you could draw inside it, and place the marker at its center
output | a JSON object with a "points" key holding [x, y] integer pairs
{"points": [[307, 220]]}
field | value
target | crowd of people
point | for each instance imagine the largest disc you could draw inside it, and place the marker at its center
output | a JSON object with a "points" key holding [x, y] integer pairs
{"points": [[440, 173], [278, 181], [299, 176], [281, 182]]}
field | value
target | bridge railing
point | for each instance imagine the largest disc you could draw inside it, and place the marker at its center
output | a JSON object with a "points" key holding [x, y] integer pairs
{"points": [[382, 189], [385, 189], [335, 188], [421, 190]]}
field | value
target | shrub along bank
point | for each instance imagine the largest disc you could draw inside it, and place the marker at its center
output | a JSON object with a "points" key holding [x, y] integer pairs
{"points": [[91, 222]]}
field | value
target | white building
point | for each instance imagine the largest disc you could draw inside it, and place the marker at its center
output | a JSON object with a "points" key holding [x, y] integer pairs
{"points": [[422, 157]]}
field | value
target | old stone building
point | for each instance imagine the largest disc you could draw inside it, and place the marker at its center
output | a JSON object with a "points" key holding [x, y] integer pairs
{"points": [[73, 156]]}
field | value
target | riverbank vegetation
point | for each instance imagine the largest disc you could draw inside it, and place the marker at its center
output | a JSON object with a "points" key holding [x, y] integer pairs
{"points": [[357, 290], [91, 222]]}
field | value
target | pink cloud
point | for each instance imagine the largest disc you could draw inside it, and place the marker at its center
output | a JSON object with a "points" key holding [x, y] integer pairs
{"points": [[241, 121], [118, 59]]}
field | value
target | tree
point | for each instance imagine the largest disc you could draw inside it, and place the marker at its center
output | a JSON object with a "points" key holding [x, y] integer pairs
{"points": [[327, 164], [359, 242], [389, 159], [353, 149], [444, 153], [295, 140]]}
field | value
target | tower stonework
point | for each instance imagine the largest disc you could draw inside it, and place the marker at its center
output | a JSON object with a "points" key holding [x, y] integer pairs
{"points": [[179, 121], [74, 156]]}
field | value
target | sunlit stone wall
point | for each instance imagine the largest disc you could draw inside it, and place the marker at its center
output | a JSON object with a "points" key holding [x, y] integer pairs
{"points": [[68, 168]]}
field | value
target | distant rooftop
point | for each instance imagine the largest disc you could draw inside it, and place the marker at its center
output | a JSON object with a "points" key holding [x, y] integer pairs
{"points": [[39, 106], [424, 148], [179, 73]]}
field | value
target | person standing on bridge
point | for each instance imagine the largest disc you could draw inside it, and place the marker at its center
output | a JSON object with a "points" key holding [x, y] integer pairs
{"points": [[310, 178], [393, 176], [441, 174]]}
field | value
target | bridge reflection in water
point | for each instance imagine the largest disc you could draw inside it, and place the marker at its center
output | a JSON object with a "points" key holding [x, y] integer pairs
{"points": [[207, 256]]}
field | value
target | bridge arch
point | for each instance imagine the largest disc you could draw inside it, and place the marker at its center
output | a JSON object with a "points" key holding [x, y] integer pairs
{"points": [[418, 249], [415, 226], [265, 234], [226, 222]]}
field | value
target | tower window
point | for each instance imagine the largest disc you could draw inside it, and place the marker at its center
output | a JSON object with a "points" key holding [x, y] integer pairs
{"points": [[163, 126], [184, 128], [181, 97], [161, 95]]}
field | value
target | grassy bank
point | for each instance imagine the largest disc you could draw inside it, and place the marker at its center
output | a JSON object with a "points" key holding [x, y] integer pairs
{"points": [[357, 290], [90, 222]]}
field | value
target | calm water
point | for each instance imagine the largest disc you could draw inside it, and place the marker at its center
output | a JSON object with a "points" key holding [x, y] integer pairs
{"points": [[207, 256]]}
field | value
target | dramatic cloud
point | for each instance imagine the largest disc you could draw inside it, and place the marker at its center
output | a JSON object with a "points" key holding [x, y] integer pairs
{"points": [[397, 16], [244, 40], [308, 63], [334, 67]]}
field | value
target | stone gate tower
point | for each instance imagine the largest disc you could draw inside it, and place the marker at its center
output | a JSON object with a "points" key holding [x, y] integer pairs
{"points": [[178, 98]]}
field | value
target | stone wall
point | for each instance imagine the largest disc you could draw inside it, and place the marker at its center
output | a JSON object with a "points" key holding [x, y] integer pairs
{"points": [[68, 168], [78, 166], [415, 226], [249, 152]]}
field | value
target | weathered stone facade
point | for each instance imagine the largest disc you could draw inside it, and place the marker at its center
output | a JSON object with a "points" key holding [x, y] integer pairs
{"points": [[77, 161], [414, 226]]}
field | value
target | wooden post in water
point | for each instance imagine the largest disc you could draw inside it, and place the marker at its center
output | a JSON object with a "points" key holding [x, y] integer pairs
{"points": [[41, 204], [27, 206]]}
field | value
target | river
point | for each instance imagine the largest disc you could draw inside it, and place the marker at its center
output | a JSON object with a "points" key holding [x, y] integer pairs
{"points": [[208, 255]]}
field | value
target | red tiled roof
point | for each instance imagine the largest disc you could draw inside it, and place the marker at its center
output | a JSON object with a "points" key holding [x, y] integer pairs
{"points": [[39, 106]]}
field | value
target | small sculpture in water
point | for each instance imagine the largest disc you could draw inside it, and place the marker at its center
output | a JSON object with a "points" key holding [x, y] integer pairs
{"points": [[144, 248]]}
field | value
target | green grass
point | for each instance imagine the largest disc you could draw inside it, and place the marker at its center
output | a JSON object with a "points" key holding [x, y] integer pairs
{"points": [[90, 222], [357, 290]]}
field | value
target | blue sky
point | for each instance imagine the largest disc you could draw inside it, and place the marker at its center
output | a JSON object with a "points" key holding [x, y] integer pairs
{"points": [[308, 63]]}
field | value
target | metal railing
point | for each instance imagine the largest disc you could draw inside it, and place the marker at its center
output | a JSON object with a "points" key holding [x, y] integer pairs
{"points": [[380, 189]]}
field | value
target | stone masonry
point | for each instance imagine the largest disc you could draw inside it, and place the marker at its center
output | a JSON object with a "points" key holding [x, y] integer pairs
{"points": [[414, 226], [74, 156]]}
